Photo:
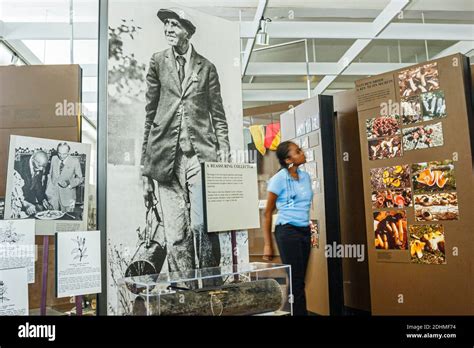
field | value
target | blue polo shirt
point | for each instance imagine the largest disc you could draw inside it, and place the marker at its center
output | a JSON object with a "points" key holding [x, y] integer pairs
{"points": [[294, 197]]}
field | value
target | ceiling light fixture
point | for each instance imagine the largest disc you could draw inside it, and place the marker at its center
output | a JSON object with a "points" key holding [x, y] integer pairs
{"points": [[263, 39]]}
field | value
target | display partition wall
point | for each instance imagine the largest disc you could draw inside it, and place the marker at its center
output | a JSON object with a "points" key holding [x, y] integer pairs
{"points": [[311, 125], [416, 137]]}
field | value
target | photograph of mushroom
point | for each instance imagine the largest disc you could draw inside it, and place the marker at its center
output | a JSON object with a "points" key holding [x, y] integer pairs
{"points": [[434, 176], [390, 177], [418, 80], [383, 126], [395, 198], [433, 105], [411, 110], [385, 148], [390, 230], [436, 207], [427, 244], [423, 137]]}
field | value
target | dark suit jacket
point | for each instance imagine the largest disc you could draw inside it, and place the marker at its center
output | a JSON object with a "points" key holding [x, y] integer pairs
{"points": [[203, 109], [34, 188]]}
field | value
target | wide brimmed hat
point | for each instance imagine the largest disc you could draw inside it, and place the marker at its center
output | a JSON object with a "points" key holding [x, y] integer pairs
{"points": [[180, 16]]}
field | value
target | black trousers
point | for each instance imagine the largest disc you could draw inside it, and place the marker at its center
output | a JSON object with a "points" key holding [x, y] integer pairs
{"points": [[294, 244]]}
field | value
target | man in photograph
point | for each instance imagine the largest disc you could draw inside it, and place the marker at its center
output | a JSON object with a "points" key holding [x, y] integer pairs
{"points": [[31, 172], [64, 176], [185, 126]]}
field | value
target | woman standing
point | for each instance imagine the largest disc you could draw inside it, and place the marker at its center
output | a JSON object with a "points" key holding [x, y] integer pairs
{"points": [[290, 192]]}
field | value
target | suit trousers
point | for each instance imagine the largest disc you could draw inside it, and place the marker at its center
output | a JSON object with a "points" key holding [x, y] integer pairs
{"points": [[189, 246], [54, 199], [294, 244]]}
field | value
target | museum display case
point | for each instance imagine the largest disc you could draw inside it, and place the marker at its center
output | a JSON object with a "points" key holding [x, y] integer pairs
{"points": [[244, 289]]}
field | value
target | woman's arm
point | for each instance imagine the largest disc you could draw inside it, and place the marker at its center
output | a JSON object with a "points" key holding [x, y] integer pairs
{"points": [[267, 227]]}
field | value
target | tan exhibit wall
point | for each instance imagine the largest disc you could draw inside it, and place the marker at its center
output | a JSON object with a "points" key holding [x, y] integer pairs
{"points": [[423, 263], [28, 102], [351, 200], [317, 287]]}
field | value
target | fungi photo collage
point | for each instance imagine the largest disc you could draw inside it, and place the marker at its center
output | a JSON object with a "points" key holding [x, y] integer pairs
{"points": [[426, 189], [422, 101]]}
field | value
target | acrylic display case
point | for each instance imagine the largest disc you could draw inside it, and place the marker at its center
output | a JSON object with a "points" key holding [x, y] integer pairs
{"points": [[245, 289]]}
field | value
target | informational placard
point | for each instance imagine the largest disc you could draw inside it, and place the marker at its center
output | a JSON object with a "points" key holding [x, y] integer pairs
{"points": [[78, 267], [14, 291], [17, 245], [47, 180], [230, 196]]}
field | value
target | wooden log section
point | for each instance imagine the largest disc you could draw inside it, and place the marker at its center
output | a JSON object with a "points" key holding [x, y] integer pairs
{"points": [[248, 298]]}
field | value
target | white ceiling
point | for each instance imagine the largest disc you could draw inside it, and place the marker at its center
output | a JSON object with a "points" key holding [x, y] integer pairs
{"points": [[322, 50]]}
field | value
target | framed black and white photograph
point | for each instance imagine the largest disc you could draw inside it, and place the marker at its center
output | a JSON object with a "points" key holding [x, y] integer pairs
{"points": [[308, 125], [309, 154], [172, 106], [304, 143], [314, 122], [47, 181]]}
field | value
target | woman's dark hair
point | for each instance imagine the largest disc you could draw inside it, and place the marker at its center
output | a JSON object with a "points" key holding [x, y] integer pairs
{"points": [[283, 151]]}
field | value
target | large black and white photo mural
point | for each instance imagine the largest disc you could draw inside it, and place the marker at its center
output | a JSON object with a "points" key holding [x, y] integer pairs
{"points": [[174, 102]]}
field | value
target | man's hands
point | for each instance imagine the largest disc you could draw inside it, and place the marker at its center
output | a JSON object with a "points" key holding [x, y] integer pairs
{"points": [[47, 205], [148, 188], [267, 252], [63, 183], [29, 208]]}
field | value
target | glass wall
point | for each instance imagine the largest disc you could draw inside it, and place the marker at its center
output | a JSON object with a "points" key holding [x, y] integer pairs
{"points": [[58, 32]]}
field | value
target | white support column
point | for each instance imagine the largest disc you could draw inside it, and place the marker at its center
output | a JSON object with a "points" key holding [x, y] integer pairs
{"points": [[262, 4], [23, 51], [276, 30], [364, 30], [320, 68], [460, 47]]}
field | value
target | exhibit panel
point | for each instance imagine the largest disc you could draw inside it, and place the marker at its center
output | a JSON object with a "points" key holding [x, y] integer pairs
{"points": [[351, 202], [415, 141], [313, 126], [149, 113], [43, 113]]}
